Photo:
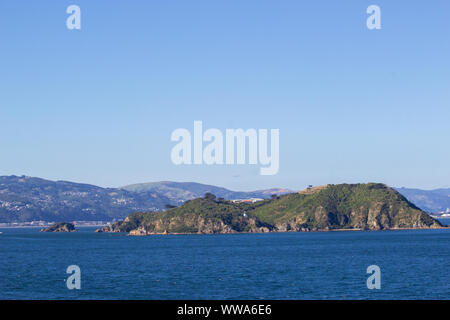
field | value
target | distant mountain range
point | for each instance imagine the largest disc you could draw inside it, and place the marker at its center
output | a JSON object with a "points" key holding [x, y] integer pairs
{"points": [[432, 201], [181, 191], [25, 198]]}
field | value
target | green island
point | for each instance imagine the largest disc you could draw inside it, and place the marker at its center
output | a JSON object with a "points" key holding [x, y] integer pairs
{"points": [[372, 206]]}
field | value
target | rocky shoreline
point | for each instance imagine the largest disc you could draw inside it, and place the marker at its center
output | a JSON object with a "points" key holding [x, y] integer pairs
{"points": [[141, 233], [60, 227]]}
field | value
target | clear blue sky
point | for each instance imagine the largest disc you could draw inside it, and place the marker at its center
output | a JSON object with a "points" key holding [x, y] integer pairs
{"points": [[353, 105]]}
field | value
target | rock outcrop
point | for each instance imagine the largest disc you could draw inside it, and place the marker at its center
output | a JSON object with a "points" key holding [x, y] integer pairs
{"points": [[60, 227]]}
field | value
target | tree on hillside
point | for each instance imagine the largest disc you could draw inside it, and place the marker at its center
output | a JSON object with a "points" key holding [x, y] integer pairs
{"points": [[210, 196]]}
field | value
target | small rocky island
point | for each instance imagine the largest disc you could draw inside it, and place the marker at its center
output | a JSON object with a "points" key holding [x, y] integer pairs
{"points": [[60, 227]]}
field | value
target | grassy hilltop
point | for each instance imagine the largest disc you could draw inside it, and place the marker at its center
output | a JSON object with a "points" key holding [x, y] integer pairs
{"points": [[332, 207], [347, 206]]}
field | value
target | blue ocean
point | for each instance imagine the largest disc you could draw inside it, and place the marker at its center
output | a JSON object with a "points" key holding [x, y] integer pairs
{"points": [[414, 264]]}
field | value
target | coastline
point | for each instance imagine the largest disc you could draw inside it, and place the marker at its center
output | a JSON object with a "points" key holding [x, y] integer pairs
{"points": [[167, 234], [271, 232], [40, 227]]}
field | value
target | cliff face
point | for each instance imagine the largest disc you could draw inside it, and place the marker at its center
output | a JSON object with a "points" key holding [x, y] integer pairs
{"points": [[60, 227], [331, 207]]}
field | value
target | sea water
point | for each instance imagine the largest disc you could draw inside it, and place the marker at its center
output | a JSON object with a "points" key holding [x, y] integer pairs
{"points": [[414, 264]]}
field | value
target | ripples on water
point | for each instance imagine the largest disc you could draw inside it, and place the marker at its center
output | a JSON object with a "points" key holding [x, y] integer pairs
{"points": [[415, 264]]}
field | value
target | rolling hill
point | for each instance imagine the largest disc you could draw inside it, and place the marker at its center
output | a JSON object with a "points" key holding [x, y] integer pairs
{"points": [[178, 192], [25, 198], [370, 206], [432, 201]]}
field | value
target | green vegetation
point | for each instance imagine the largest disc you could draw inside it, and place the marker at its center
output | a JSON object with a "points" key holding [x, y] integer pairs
{"points": [[347, 206], [354, 206], [203, 215]]}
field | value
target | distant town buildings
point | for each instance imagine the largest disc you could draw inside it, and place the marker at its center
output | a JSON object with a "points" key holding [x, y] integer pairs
{"points": [[48, 223], [251, 200]]}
